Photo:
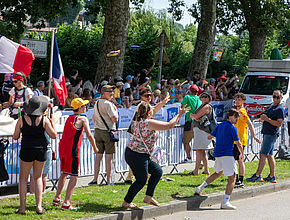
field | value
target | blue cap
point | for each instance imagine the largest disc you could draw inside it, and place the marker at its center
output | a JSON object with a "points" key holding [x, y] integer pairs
{"points": [[129, 77], [212, 80]]}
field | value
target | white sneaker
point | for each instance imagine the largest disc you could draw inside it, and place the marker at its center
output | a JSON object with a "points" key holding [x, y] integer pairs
{"points": [[228, 205], [198, 191]]}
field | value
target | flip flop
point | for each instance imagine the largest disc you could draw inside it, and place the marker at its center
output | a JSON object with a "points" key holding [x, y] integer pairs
{"points": [[131, 206], [205, 173], [152, 202], [18, 212]]}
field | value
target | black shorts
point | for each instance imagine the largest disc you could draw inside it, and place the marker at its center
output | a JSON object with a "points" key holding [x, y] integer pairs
{"points": [[288, 127], [236, 152], [32, 154]]}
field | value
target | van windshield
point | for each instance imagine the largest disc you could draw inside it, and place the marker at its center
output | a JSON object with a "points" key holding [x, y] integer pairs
{"points": [[264, 85]]}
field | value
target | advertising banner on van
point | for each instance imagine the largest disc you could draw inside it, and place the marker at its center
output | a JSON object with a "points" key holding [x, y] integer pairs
{"points": [[254, 109]]}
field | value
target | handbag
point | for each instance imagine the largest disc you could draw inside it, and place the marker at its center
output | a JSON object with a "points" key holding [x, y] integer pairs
{"points": [[113, 133], [156, 154]]}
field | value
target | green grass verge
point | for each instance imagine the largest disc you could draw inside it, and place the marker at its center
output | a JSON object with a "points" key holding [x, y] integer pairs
{"points": [[95, 200]]}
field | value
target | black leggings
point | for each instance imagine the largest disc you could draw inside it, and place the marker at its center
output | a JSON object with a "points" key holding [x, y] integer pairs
{"points": [[141, 165]]}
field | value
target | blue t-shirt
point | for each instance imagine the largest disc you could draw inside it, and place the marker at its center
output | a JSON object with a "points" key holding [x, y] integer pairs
{"points": [[274, 113], [173, 93], [226, 134]]}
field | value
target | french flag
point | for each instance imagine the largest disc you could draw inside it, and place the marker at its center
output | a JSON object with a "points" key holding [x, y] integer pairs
{"points": [[58, 75], [14, 57]]}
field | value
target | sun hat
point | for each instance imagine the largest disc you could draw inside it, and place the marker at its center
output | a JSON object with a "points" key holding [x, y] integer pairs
{"points": [[78, 102], [223, 78], [105, 88], [36, 105], [119, 84]]}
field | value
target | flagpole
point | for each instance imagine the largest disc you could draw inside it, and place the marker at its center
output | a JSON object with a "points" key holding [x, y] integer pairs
{"points": [[51, 61]]}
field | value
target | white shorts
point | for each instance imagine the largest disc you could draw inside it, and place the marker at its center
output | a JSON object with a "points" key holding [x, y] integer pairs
{"points": [[226, 164]]}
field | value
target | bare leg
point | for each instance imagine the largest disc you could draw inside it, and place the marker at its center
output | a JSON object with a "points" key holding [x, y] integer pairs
{"points": [[213, 177], [197, 162], [37, 175], [272, 164], [60, 185], [187, 150], [70, 188], [109, 164], [262, 163], [241, 167], [24, 171], [231, 184], [31, 184], [98, 160], [44, 180], [204, 161]]}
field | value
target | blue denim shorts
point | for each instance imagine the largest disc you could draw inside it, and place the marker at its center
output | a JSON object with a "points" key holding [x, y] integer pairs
{"points": [[48, 161], [268, 143]]}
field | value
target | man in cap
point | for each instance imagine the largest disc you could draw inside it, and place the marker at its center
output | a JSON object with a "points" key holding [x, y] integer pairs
{"points": [[69, 147], [105, 108], [191, 100], [128, 82]]}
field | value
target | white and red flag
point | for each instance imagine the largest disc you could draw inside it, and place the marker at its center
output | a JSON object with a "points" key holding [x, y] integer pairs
{"points": [[14, 57]]}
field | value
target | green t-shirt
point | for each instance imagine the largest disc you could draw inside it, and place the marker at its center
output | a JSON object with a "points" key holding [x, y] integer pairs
{"points": [[192, 101]]}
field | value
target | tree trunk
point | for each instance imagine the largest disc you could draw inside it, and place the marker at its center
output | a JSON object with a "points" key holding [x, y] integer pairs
{"points": [[114, 38], [205, 38], [257, 31], [257, 44]]}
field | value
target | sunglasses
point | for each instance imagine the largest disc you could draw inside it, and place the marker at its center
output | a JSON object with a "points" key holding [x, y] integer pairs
{"points": [[14, 81], [147, 95], [109, 91], [276, 97], [204, 96]]}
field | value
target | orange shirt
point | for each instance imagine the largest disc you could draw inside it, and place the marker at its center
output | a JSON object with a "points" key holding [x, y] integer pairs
{"points": [[242, 127]]}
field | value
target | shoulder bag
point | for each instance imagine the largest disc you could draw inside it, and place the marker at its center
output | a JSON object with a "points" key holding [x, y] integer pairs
{"points": [[156, 154], [114, 137]]}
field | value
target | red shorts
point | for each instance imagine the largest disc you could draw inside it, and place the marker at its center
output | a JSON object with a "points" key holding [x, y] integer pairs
{"points": [[69, 165]]}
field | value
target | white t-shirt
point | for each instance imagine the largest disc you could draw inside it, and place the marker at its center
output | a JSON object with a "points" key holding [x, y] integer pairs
{"points": [[19, 97], [288, 107], [107, 110], [126, 86]]}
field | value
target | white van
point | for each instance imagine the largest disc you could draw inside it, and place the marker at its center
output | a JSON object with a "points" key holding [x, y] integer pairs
{"points": [[263, 78]]}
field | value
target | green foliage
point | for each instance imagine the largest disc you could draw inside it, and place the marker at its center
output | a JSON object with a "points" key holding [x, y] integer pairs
{"points": [[79, 49], [15, 13]]}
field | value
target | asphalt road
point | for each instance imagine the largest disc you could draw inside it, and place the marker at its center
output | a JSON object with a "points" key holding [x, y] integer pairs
{"points": [[269, 206]]}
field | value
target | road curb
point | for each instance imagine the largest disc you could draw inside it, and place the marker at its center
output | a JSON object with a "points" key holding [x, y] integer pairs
{"points": [[192, 203]]}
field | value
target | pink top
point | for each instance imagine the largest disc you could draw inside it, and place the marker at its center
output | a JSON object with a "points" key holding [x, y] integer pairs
{"points": [[211, 87], [148, 136]]}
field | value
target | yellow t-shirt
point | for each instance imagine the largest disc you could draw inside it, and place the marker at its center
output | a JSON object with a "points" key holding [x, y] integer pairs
{"points": [[117, 93], [242, 127]]}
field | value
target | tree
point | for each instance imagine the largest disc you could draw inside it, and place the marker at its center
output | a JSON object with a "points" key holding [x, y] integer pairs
{"points": [[15, 13], [114, 38], [259, 17], [206, 17]]}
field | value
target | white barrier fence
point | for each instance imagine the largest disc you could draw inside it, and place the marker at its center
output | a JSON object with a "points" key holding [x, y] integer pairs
{"points": [[170, 141]]}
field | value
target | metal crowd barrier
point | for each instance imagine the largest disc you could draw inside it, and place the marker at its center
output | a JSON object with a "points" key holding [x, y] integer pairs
{"points": [[170, 141]]}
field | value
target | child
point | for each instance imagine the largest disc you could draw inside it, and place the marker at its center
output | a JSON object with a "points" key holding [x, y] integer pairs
{"points": [[226, 135]]}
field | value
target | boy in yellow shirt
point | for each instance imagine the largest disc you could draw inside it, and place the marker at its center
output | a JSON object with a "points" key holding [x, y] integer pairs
{"points": [[242, 128]]}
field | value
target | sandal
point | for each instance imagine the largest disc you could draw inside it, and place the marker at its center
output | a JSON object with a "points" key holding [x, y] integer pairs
{"points": [[152, 202], [18, 212], [40, 211], [130, 206], [207, 173], [192, 173]]}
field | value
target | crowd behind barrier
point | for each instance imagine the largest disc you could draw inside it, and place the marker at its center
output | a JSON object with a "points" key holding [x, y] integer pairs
{"points": [[170, 141]]}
